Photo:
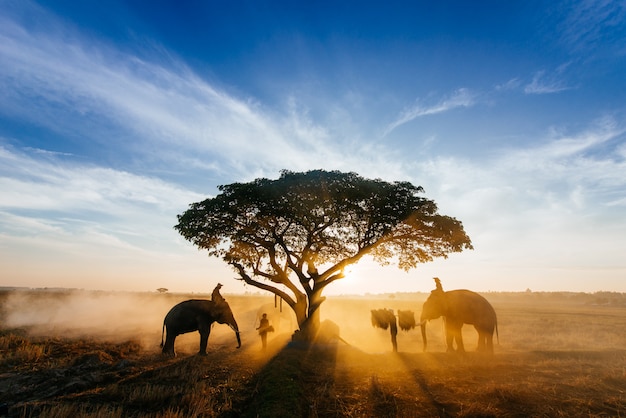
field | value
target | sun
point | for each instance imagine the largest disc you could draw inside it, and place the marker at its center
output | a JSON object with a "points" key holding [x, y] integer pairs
{"points": [[349, 283]]}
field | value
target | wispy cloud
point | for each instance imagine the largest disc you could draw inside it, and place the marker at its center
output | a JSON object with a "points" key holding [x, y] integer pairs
{"points": [[539, 206], [92, 93], [106, 224], [132, 113], [460, 98], [59, 207], [587, 160], [541, 82], [560, 163], [544, 83], [585, 24], [52, 184], [512, 84], [71, 203]]}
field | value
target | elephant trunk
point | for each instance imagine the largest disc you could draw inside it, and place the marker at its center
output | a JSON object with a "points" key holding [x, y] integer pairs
{"points": [[423, 327], [236, 329]]}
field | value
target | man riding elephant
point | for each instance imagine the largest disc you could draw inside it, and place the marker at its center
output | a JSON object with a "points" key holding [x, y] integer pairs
{"points": [[197, 315]]}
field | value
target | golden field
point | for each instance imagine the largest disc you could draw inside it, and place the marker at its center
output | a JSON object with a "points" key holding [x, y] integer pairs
{"points": [[97, 354]]}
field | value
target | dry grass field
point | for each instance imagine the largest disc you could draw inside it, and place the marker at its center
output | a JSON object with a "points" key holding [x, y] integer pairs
{"points": [[92, 354]]}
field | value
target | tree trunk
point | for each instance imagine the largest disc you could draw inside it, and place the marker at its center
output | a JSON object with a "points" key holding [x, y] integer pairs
{"points": [[300, 309], [308, 316]]}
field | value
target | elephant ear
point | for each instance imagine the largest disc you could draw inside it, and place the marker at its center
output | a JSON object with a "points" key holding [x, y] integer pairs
{"points": [[438, 298], [222, 308]]}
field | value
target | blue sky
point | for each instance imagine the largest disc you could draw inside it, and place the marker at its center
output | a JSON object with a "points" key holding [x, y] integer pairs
{"points": [[115, 116]]}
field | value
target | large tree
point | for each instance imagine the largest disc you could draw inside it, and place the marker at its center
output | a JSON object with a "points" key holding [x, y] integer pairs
{"points": [[296, 235]]}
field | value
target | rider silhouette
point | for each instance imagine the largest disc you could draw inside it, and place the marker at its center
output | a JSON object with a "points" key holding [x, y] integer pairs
{"points": [[216, 296]]}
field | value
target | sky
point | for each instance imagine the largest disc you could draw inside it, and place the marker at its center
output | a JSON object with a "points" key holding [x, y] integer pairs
{"points": [[115, 116]]}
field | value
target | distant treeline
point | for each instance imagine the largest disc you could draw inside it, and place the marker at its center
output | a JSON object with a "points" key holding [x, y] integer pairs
{"points": [[584, 298], [593, 298]]}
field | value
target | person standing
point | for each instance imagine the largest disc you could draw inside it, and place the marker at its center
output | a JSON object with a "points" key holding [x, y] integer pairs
{"points": [[264, 328]]}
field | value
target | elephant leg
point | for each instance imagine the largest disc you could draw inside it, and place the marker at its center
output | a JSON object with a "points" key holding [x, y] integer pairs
{"points": [[168, 347], [481, 343], [204, 339], [459, 342], [482, 338], [449, 341], [489, 338], [458, 336], [485, 340], [451, 333]]}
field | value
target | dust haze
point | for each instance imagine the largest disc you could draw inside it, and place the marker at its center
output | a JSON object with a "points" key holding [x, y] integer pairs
{"points": [[98, 315], [110, 316], [525, 321], [68, 352], [122, 316]]}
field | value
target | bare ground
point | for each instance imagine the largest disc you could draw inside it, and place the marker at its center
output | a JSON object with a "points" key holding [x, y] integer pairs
{"points": [[553, 360], [83, 378]]}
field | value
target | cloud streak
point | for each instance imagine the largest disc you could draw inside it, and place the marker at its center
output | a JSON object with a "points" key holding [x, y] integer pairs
{"points": [[542, 83], [142, 135], [93, 93], [460, 98], [556, 169], [114, 228], [53, 184], [99, 213], [58, 210], [557, 206], [586, 23]]}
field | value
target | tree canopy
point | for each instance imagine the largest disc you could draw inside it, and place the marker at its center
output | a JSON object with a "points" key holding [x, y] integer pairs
{"points": [[295, 235]]}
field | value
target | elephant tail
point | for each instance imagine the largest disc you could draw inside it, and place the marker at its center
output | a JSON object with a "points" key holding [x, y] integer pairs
{"points": [[162, 333], [497, 335]]}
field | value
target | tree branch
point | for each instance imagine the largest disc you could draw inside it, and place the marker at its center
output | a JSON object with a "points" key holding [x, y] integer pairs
{"points": [[249, 280]]}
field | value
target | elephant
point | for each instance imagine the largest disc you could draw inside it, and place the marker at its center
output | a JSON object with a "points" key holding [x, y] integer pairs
{"points": [[196, 314], [460, 307]]}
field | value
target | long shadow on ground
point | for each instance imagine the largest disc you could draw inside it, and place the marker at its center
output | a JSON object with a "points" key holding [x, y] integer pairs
{"points": [[289, 384]]}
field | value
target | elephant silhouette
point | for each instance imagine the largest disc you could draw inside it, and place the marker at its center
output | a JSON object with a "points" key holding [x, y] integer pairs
{"points": [[460, 307], [196, 315]]}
